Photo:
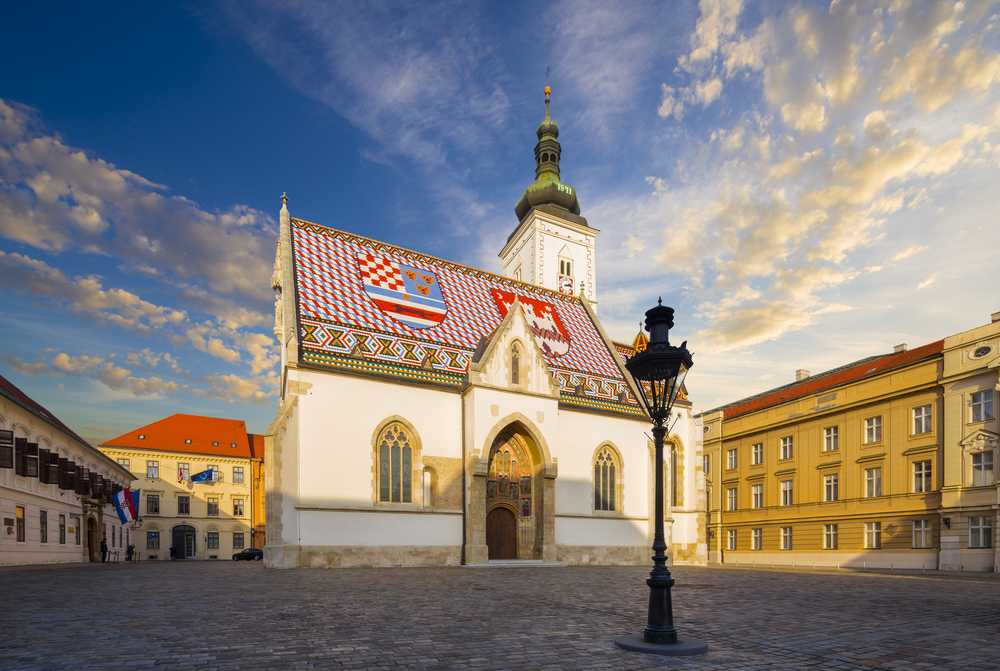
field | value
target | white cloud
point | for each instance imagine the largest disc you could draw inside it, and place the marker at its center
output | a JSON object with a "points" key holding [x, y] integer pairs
{"points": [[929, 281]]}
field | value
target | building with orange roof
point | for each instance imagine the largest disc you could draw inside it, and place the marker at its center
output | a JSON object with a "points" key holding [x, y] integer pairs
{"points": [[55, 488], [211, 517], [886, 462]]}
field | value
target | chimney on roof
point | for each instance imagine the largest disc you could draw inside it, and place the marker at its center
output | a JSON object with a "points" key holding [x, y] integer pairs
{"points": [[801, 374], [899, 349], [995, 317]]}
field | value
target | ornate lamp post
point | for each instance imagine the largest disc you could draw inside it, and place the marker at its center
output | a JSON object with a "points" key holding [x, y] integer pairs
{"points": [[659, 372]]}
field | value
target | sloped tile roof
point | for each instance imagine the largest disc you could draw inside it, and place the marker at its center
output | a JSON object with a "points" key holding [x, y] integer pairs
{"points": [[256, 445], [11, 391], [171, 435], [869, 367], [342, 326]]}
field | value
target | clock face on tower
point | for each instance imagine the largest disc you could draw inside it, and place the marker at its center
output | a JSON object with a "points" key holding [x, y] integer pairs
{"points": [[565, 284]]}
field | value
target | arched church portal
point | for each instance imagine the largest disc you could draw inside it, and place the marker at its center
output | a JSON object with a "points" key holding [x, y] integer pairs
{"points": [[511, 483]]}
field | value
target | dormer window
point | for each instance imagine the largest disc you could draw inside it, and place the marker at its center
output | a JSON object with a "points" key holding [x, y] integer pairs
{"points": [[187, 441], [215, 443], [142, 436], [232, 444]]}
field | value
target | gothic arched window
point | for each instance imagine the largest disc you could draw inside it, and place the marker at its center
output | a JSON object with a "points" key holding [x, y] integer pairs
{"points": [[515, 365], [606, 473], [395, 465]]}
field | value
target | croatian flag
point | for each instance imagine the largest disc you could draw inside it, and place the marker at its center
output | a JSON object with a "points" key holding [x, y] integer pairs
{"points": [[126, 503]]}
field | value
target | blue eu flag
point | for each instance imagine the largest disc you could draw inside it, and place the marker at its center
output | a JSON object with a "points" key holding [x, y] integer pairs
{"points": [[204, 476]]}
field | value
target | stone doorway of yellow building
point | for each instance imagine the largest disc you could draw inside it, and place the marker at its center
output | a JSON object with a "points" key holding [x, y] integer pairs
{"points": [[185, 541]]}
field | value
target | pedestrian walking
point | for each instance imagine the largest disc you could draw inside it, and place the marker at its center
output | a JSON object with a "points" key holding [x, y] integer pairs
{"points": [[129, 551], [104, 550], [173, 553]]}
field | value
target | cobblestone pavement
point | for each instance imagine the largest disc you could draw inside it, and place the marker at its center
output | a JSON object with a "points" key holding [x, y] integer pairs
{"points": [[237, 615]]}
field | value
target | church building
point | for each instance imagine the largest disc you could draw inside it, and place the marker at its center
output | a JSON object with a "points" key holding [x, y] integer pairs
{"points": [[436, 414]]}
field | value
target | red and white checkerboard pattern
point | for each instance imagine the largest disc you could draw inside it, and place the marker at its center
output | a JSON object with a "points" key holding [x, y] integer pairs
{"points": [[330, 266], [380, 272]]}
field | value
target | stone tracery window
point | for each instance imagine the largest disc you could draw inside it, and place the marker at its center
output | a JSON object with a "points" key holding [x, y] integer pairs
{"points": [[395, 465], [606, 472], [515, 364]]}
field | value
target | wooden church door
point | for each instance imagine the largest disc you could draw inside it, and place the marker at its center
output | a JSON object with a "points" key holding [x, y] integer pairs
{"points": [[508, 500], [501, 533]]}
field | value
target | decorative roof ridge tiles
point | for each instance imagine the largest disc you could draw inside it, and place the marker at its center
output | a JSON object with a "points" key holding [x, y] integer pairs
{"points": [[437, 260], [15, 394], [837, 377]]}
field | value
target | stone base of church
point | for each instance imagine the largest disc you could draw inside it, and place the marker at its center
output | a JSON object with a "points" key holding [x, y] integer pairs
{"points": [[344, 556], [604, 555]]}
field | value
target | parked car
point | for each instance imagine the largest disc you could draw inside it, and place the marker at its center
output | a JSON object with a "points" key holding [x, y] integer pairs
{"points": [[250, 554]]}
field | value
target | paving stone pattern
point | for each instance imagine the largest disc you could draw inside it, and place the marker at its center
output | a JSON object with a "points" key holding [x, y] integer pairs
{"points": [[237, 615]]}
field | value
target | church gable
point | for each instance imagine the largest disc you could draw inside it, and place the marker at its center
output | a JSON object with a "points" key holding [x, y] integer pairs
{"points": [[372, 308], [512, 359]]}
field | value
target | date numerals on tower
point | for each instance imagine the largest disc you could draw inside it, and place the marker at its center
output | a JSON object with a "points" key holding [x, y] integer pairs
{"points": [[564, 188]]}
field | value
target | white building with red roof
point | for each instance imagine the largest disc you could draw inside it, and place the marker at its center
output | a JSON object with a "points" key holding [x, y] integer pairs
{"points": [[55, 488], [436, 414]]}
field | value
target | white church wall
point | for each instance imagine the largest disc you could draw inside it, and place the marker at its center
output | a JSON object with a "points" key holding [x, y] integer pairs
{"points": [[337, 461], [344, 528], [576, 531]]}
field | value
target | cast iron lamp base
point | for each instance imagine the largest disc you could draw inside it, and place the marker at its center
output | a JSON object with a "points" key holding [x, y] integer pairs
{"points": [[684, 647]]}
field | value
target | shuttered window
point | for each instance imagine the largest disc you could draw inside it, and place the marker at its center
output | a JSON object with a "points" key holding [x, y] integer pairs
{"points": [[6, 449]]}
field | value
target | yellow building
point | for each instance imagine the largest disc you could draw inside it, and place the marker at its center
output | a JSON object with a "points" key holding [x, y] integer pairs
{"points": [[842, 468], [209, 519], [970, 497]]}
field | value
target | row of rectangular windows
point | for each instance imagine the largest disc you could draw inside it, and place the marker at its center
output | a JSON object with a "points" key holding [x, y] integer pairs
{"points": [[184, 471], [123, 536], [981, 409], [982, 476], [184, 505], [979, 535], [153, 540]]}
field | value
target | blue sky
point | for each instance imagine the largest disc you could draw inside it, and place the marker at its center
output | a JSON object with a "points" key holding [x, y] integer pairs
{"points": [[805, 183]]}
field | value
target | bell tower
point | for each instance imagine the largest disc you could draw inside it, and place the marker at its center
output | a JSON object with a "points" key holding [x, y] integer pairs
{"points": [[552, 245]]}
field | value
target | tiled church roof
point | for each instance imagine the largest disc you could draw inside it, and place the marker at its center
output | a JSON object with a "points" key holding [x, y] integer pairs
{"points": [[341, 327]]}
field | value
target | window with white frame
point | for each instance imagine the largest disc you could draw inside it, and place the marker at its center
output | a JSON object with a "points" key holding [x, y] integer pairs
{"points": [[152, 469], [921, 533], [237, 507], [979, 532], [183, 472], [786, 492], [981, 404], [922, 477], [786, 447], [829, 536], [732, 539], [831, 438], [237, 540], [758, 453], [758, 496], [873, 482], [786, 538], [731, 459], [831, 487], [922, 419], [732, 498], [982, 469], [213, 540], [755, 538], [124, 463], [873, 429], [873, 535], [237, 475], [152, 504], [213, 506], [152, 540]]}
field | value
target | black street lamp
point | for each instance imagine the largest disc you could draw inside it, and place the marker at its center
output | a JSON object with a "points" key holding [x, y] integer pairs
{"points": [[659, 372]]}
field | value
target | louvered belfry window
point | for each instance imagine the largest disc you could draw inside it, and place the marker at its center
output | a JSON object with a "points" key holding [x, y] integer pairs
{"points": [[395, 458], [604, 481]]}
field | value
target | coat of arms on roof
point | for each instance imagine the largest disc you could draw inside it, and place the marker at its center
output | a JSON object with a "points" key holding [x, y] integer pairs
{"points": [[545, 324], [409, 294]]}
